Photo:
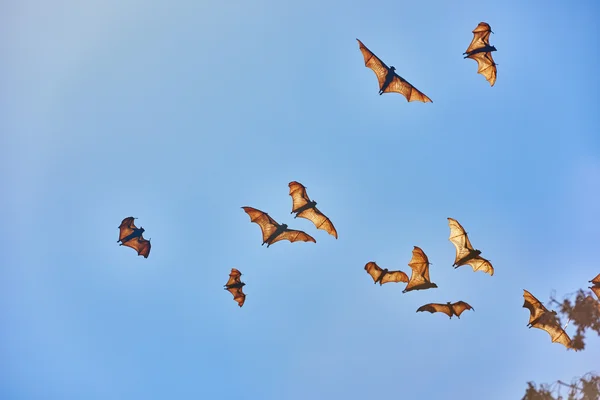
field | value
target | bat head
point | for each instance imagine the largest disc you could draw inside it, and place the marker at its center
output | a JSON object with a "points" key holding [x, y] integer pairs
{"points": [[284, 226], [142, 230], [392, 68], [492, 48]]}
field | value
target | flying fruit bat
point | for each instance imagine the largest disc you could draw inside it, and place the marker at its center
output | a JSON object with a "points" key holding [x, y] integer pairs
{"points": [[596, 287], [131, 236], [305, 208], [389, 81], [274, 232], [419, 278], [383, 275], [541, 318], [481, 51], [235, 285], [465, 253], [449, 309]]}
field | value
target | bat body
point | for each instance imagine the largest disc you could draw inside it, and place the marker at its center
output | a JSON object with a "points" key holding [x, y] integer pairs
{"points": [[449, 309], [465, 253], [272, 231], [304, 207], [234, 285], [541, 318], [382, 276], [131, 236], [596, 287], [390, 81], [481, 51], [419, 278]]}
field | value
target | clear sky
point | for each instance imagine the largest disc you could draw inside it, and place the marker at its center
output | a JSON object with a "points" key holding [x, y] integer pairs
{"points": [[181, 112]]}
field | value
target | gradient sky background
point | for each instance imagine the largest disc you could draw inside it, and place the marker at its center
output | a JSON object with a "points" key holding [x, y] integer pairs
{"points": [[179, 113]]}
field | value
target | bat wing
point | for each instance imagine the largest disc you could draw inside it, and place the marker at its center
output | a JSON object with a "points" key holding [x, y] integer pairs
{"points": [[394, 276], [596, 287], [267, 224], [485, 66], [319, 219], [299, 196], [535, 307], [374, 63], [234, 277], [436, 307], [461, 306], [126, 228], [402, 86], [556, 332], [293, 236], [139, 244], [373, 269], [481, 37], [238, 295], [481, 264], [460, 240], [419, 263]]}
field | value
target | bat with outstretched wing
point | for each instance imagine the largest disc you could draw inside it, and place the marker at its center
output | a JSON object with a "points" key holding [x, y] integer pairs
{"points": [[596, 287], [389, 81], [465, 253], [304, 207], [131, 236], [383, 275], [234, 285], [481, 51], [540, 317], [274, 232], [449, 309], [419, 278]]}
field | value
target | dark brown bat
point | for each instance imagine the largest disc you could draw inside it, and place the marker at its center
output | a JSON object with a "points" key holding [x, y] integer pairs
{"points": [[383, 275], [449, 309], [389, 81], [481, 51], [596, 287], [274, 232], [419, 278], [131, 236], [235, 285], [465, 253], [541, 318], [305, 208]]}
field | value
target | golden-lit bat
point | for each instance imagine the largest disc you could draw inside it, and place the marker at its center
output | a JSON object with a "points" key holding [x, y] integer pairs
{"points": [[419, 278], [596, 287], [305, 208], [481, 51], [541, 318], [465, 253], [234, 285], [389, 81], [131, 236], [274, 232], [449, 309], [383, 275]]}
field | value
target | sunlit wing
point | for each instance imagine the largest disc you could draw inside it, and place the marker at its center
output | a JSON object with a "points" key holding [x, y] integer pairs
{"points": [[234, 277], [299, 196], [461, 306], [481, 37], [402, 86], [481, 264], [139, 244], [596, 287], [374, 63], [293, 236], [535, 307], [373, 269], [419, 263], [436, 307], [459, 238], [319, 219], [485, 66], [394, 276], [557, 334], [267, 224], [238, 295], [126, 228]]}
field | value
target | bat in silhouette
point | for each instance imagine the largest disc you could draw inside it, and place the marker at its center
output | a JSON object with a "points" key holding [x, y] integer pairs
{"points": [[419, 278], [304, 207], [596, 287], [274, 232], [481, 51], [449, 309], [541, 318], [465, 253], [131, 236], [234, 285], [389, 81], [383, 275]]}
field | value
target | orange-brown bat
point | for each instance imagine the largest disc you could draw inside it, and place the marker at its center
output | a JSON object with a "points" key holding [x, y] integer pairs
{"points": [[383, 275], [305, 208], [465, 253], [131, 236], [274, 232], [235, 285], [419, 278], [481, 51], [389, 81], [596, 287], [541, 318], [449, 309]]}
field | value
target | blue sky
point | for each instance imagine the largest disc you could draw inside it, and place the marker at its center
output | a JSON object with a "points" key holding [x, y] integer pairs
{"points": [[179, 113]]}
